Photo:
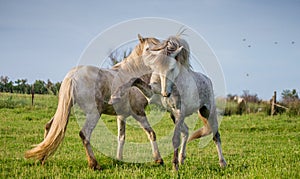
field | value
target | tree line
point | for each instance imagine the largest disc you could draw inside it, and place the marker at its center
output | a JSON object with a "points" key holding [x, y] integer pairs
{"points": [[22, 86]]}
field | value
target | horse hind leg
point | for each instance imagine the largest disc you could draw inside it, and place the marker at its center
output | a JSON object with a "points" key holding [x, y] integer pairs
{"points": [[217, 140], [208, 128], [203, 114], [85, 135]]}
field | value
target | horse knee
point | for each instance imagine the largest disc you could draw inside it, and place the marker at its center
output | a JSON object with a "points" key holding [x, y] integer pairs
{"points": [[83, 138], [151, 134]]}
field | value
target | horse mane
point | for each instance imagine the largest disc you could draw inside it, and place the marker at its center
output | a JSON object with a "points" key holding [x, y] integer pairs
{"points": [[136, 52], [133, 65], [184, 56], [171, 44]]}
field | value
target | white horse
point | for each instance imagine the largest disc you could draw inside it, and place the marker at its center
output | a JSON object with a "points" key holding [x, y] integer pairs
{"points": [[181, 91], [90, 87]]}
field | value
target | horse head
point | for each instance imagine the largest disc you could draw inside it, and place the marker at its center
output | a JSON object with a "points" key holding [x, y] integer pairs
{"points": [[164, 65]]}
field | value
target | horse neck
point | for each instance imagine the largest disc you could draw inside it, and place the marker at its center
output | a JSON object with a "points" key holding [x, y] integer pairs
{"points": [[132, 67], [183, 71]]}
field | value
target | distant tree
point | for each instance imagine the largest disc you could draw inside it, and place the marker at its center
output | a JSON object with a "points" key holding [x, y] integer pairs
{"points": [[56, 88], [9, 87], [289, 96], [23, 86], [4, 79], [4, 86], [49, 86], [17, 86], [117, 56], [40, 87], [20, 86], [28, 88]]}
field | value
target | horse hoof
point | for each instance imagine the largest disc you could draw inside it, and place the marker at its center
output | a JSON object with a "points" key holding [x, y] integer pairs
{"points": [[159, 161], [175, 166], [93, 164], [97, 168], [181, 159], [222, 163]]}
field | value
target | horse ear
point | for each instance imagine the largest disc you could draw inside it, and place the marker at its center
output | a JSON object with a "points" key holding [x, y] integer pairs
{"points": [[141, 39]]}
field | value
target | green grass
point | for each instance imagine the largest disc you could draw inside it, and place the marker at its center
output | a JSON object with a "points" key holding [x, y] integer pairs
{"points": [[255, 146]]}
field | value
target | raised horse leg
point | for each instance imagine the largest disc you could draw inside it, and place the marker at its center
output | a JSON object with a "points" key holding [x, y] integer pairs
{"points": [[210, 126], [85, 134], [203, 114], [121, 91]]}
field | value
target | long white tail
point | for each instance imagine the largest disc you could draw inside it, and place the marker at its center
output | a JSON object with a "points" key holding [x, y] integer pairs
{"points": [[58, 128]]}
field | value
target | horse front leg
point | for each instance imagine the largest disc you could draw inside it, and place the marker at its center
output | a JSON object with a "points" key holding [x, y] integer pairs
{"points": [[122, 90], [143, 121], [179, 120], [184, 138], [85, 135], [121, 121]]}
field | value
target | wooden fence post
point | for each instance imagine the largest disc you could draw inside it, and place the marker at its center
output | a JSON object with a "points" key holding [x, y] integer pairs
{"points": [[273, 103], [32, 95]]}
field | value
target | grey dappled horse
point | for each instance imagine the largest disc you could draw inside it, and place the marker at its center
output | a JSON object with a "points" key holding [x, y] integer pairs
{"points": [[90, 87], [179, 89]]}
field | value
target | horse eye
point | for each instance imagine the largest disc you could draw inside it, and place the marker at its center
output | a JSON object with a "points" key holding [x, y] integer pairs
{"points": [[147, 49]]}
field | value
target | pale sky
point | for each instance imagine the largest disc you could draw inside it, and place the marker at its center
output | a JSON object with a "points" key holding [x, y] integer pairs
{"points": [[257, 42]]}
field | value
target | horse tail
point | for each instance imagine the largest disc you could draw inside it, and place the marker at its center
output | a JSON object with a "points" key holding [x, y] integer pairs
{"points": [[57, 131]]}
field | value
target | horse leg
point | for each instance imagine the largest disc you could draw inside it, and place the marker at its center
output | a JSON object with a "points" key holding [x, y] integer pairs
{"points": [[217, 140], [47, 127], [213, 122], [184, 138], [121, 91], [203, 114], [210, 126], [179, 125], [85, 134], [121, 136], [143, 121]]}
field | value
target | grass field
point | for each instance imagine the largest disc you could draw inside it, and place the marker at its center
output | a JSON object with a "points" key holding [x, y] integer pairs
{"points": [[255, 146]]}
